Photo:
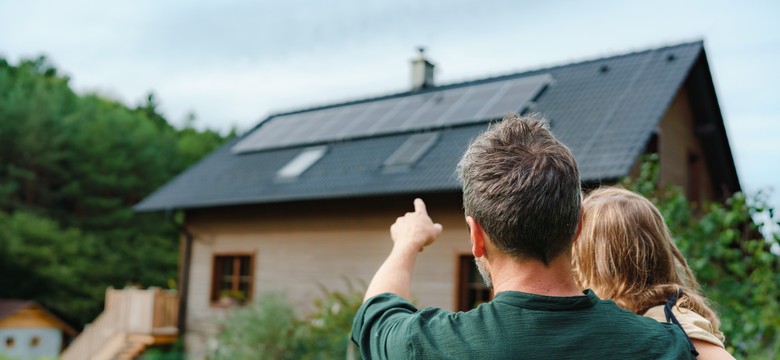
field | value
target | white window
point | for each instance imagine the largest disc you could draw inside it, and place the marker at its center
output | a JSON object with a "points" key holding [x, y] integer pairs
{"points": [[301, 163]]}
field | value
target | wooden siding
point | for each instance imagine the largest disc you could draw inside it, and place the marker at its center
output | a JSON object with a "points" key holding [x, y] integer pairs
{"points": [[297, 248], [677, 144]]}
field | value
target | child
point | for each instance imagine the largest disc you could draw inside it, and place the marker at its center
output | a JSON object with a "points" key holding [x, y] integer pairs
{"points": [[624, 252]]}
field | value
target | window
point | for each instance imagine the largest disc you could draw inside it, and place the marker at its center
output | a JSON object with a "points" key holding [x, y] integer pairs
{"points": [[9, 342], [472, 290], [232, 277], [694, 176], [35, 341], [301, 163], [652, 144], [410, 151]]}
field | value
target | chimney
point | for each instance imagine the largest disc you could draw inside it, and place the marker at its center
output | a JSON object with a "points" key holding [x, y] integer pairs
{"points": [[422, 71]]}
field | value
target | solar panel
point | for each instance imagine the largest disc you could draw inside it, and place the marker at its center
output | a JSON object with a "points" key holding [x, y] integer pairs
{"points": [[386, 120], [444, 103], [328, 122], [368, 117], [412, 112]]}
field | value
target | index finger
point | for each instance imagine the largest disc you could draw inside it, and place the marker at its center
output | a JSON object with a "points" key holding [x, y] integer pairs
{"points": [[419, 206]]}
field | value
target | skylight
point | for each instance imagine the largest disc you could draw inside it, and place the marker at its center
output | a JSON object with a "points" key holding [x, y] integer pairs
{"points": [[410, 151], [301, 163]]}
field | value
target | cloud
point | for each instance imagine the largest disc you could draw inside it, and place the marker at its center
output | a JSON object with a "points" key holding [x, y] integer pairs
{"points": [[233, 62]]}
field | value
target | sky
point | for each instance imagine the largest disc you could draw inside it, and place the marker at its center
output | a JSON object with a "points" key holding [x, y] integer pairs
{"points": [[232, 63]]}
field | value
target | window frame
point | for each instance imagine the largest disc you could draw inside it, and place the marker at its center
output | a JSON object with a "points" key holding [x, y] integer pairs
{"points": [[215, 299], [693, 186], [462, 284]]}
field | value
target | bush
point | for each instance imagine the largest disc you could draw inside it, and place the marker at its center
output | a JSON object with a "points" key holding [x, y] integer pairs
{"points": [[327, 330], [172, 352], [269, 329], [734, 263], [265, 329]]}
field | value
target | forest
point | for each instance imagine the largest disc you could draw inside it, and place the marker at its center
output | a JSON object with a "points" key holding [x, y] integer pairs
{"points": [[71, 168]]}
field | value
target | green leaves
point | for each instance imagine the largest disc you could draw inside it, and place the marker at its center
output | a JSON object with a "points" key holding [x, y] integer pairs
{"points": [[54, 263], [269, 329], [325, 333], [263, 330], [730, 257], [71, 168]]}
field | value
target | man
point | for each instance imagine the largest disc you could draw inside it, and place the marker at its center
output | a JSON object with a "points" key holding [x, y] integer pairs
{"points": [[522, 198]]}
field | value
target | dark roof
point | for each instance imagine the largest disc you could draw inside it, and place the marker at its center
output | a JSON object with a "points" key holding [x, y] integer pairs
{"points": [[605, 110], [9, 307]]}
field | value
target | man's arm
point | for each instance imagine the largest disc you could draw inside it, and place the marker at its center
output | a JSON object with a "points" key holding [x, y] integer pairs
{"points": [[410, 233]]}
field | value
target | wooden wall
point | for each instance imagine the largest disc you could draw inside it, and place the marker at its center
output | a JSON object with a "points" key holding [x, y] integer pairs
{"points": [[681, 158], [297, 247]]}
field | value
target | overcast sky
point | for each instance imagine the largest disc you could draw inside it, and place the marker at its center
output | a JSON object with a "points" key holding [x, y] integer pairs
{"points": [[233, 62]]}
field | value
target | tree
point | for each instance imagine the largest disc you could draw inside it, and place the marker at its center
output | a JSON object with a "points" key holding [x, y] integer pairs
{"points": [[733, 262], [71, 168], [53, 265]]}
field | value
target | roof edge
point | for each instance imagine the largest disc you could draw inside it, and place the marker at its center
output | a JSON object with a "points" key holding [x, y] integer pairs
{"points": [[479, 80]]}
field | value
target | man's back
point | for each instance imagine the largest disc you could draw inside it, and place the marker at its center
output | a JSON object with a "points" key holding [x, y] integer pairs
{"points": [[514, 325], [522, 199]]}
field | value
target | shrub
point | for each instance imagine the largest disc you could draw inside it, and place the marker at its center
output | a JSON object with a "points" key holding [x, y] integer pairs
{"points": [[269, 329], [734, 263], [266, 329], [327, 330]]}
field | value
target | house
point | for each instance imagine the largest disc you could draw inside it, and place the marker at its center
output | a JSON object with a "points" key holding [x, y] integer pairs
{"points": [[29, 331], [306, 197]]}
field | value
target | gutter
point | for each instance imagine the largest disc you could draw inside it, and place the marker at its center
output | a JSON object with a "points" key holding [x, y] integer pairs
{"points": [[184, 281]]}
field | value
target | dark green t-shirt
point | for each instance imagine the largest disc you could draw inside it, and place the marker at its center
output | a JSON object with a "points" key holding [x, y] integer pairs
{"points": [[515, 325]]}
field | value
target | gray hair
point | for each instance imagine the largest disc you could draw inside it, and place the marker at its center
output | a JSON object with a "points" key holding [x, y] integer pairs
{"points": [[522, 186]]}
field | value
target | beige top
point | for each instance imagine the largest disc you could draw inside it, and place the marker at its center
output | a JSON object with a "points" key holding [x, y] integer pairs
{"points": [[695, 325]]}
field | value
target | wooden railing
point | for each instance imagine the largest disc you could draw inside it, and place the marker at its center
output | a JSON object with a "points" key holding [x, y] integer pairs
{"points": [[128, 312]]}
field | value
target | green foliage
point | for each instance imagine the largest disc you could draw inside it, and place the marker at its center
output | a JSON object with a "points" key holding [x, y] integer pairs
{"points": [[57, 262], [269, 329], [8, 357], [175, 352], [327, 330], [734, 264], [71, 167], [265, 329]]}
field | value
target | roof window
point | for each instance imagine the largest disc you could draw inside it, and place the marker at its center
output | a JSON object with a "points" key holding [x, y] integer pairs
{"points": [[301, 163], [409, 152]]}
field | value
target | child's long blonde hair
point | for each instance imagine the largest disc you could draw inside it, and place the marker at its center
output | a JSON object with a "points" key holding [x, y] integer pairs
{"points": [[625, 253]]}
